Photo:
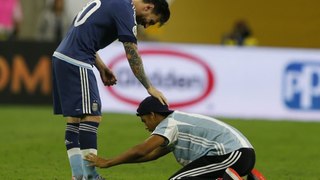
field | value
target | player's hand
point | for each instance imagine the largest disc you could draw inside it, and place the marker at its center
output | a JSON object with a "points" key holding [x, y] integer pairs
{"points": [[157, 94], [96, 160], [107, 76]]}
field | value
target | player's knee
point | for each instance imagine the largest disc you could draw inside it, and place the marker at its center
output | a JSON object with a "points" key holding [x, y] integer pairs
{"points": [[92, 118], [73, 120]]}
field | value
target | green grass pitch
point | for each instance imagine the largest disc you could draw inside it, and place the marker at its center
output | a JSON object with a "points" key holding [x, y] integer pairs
{"points": [[32, 147]]}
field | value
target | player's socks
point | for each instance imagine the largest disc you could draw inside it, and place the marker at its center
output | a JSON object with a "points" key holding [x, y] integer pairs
{"points": [[88, 144], [73, 149]]}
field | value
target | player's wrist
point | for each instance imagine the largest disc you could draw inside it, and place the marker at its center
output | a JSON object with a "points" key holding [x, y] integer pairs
{"points": [[150, 88]]}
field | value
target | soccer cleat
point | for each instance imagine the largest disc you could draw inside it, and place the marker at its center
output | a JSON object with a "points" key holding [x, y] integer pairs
{"points": [[255, 175], [231, 174]]}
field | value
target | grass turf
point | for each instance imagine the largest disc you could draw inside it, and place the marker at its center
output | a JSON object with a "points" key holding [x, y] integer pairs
{"points": [[32, 147]]}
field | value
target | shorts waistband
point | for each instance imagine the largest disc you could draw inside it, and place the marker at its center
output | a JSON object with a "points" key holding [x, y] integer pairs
{"points": [[72, 60]]}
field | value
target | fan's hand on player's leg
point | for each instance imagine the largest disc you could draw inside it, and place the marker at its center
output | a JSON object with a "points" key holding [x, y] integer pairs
{"points": [[96, 160]]}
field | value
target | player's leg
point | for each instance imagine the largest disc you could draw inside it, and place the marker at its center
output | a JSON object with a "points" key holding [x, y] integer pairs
{"points": [[91, 108], [79, 96], [245, 163], [60, 84], [73, 147], [88, 142], [204, 168], [214, 167]]}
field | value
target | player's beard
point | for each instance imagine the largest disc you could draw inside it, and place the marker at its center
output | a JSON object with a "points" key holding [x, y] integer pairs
{"points": [[141, 20]]}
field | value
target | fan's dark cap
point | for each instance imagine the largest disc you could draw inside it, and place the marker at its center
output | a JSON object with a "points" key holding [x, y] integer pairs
{"points": [[152, 104]]}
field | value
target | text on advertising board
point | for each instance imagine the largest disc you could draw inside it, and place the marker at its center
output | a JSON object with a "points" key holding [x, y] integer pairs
{"points": [[301, 86], [173, 72]]}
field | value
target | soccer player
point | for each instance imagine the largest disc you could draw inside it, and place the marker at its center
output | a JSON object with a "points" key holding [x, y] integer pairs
{"points": [[206, 147], [75, 92]]}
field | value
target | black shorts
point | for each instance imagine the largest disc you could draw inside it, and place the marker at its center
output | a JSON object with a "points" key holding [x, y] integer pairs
{"points": [[213, 167]]}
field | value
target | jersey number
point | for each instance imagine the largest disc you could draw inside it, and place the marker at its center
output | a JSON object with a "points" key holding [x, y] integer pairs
{"points": [[85, 12]]}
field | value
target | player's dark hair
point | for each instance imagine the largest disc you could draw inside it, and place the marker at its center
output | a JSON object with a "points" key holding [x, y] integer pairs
{"points": [[161, 7], [165, 114]]}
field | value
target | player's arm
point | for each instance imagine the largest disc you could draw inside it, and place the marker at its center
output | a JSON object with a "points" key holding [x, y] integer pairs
{"points": [[107, 76], [146, 151], [157, 153], [136, 65]]}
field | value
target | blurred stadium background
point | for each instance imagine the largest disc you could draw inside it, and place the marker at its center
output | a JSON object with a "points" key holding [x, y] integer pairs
{"points": [[268, 88], [274, 23]]}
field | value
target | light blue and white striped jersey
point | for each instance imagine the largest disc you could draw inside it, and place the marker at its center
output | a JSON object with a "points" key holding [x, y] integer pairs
{"points": [[192, 136]]}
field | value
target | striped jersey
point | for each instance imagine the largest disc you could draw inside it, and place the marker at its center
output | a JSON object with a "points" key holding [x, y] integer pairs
{"points": [[192, 136]]}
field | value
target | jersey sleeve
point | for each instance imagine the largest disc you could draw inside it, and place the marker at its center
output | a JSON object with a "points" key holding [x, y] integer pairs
{"points": [[167, 129], [124, 16]]}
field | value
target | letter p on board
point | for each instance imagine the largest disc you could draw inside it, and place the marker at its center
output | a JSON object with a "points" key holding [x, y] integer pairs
{"points": [[301, 86]]}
